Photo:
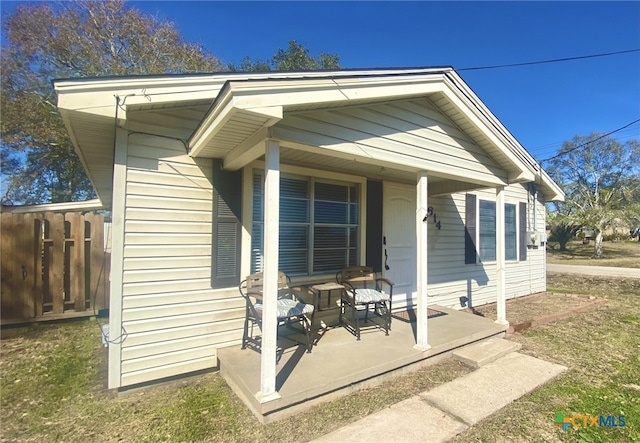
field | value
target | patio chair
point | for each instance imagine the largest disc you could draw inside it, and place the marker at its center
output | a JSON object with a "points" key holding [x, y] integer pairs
{"points": [[363, 291], [291, 309]]}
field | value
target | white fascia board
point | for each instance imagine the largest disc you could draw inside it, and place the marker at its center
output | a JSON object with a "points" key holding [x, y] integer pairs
{"points": [[514, 144], [99, 84], [554, 192], [162, 89], [93, 96], [211, 125], [274, 93], [532, 171], [112, 85]]}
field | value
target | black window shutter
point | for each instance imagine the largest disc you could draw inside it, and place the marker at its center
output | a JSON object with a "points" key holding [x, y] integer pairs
{"points": [[523, 230], [374, 225], [227, 226], [470, 230]]}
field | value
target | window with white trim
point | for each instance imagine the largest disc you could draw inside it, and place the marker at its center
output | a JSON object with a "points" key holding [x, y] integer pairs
{"points": [[319, 225], [483, 215], [510, 232], [487, 234]]}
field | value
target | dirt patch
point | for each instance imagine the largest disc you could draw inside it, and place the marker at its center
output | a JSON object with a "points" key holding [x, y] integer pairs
{"points": [[538, 309]]}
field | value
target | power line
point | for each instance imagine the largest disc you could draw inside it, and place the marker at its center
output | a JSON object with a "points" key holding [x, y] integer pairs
{"points": [[591, 141], [555, 60], [551, 148]]}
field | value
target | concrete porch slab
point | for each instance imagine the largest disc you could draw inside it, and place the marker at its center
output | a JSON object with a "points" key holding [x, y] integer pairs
{"points": [[339, 363], [490, 388], [485, 351]]}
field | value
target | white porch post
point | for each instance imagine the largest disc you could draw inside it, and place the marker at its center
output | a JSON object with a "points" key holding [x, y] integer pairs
{"points": [[421, 259], [270, 269], [500, 259]]}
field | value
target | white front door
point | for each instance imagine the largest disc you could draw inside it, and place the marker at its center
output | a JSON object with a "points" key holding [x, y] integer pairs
{"points": [[399, 230]]}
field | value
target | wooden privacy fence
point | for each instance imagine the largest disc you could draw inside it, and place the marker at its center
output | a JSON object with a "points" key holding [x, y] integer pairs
{"points": [[53, 265]]}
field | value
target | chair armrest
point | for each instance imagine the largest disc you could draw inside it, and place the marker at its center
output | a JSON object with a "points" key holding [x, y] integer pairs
{"points": [[348, 288], [255, 293], [385, 280]]}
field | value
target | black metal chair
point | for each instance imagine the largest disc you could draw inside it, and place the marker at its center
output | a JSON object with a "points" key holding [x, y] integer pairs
{"points": [[363, 291], [290, 307]]}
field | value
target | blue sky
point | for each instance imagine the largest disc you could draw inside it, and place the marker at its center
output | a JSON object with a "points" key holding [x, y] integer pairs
{"points": [[542, 105]]}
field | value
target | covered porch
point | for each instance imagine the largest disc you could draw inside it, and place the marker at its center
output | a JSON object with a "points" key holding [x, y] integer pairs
{"points": [[400, 139], [339, 363]]}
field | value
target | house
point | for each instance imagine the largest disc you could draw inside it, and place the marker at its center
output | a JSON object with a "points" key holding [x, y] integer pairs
{"points": [[213, 176]]}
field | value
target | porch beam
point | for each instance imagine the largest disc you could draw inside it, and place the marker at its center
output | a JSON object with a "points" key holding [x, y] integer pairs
{"points": [[422, 273], [249, 150], [500, 259], [270, 271], [358, 152]]}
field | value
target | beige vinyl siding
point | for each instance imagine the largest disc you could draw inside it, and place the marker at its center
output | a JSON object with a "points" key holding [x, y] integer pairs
{"points": [[530, 276], [174, 320], [409, 133], [450, 278]]}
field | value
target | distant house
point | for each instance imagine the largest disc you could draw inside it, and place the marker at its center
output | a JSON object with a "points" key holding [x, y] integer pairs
{"points": [[405, 170]]}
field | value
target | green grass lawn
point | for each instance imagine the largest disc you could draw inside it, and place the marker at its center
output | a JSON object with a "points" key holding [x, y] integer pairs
{"points": [[53, 386], [625, 254], [601, 348], [53, 389]]}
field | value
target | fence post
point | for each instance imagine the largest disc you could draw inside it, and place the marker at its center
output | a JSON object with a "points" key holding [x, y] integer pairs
{"points": [[55, 261], [7, 235], [24, 253], [96, 271], [76, 267], [38, 250]]}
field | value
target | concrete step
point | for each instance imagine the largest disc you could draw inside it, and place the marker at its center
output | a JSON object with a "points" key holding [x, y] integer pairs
{"points": [[447, 410], [485, 351], [479, 394]]}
